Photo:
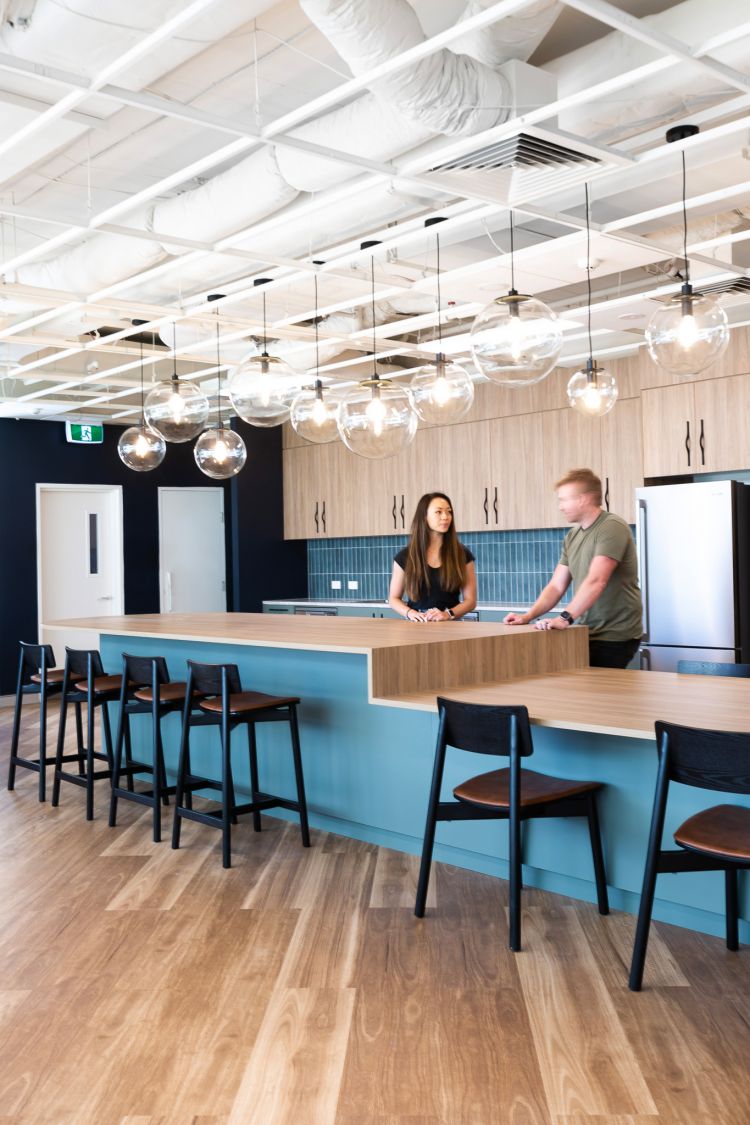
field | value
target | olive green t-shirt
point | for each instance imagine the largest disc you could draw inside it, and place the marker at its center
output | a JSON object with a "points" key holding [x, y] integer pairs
{"points": [[617, 615]]}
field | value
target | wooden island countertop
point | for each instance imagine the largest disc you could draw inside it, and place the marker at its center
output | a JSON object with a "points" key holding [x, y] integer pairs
{"points": [[402, 657]]}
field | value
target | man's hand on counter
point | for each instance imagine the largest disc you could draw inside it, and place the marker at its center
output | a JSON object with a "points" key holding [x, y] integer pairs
{"points": [[552, 623], [516, 619]]}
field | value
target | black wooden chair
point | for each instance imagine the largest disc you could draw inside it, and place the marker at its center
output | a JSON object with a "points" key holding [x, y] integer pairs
{"points": [[84, 682], [145, 690], [510, 794], [215, 698], [37, 676], [716, 839], [711, 668]]}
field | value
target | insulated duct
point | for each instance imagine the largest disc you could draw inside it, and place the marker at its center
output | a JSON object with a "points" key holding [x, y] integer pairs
{"points": [[516, 37]]}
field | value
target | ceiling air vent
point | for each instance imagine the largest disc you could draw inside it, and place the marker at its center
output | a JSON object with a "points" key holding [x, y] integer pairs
{"points": [[524, 165], [740, 285]]}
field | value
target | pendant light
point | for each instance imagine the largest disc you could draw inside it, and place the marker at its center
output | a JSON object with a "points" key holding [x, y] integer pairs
{"points": [[262, 388], [178, 409], [376, 418], [442, 392], [592, 390], [220, 453], [516, 340], [140, 448], [690, 332], [313, 415]]}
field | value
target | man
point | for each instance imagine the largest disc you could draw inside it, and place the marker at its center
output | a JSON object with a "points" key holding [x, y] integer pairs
{"points": [[598, 556]]}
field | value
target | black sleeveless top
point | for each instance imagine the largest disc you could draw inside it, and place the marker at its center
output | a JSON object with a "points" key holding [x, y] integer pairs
{"points": [[436, 597]]}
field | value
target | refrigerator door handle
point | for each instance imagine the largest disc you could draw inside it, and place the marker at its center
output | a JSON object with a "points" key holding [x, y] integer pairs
{"points": [[642, 548], [644, 656]]}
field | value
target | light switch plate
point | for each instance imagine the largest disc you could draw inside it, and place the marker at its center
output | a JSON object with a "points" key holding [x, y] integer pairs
{"points": [[352, 585], [335, 584]]}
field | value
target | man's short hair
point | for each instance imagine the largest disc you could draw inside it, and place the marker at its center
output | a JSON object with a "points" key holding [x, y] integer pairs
{"points": [[586, 478]]}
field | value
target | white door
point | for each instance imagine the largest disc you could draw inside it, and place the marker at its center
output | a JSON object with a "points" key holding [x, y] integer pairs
{"points": [[192, 556], [80, 569]]}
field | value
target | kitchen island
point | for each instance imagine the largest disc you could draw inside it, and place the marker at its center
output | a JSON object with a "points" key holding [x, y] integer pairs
{"points": [[368, 726]]}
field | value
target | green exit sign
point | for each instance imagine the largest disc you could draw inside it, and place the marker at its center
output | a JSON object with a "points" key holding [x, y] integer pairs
{"points": [[83, 434]]}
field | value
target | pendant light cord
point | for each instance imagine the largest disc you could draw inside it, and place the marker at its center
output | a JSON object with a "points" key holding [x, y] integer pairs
{"points": [[512, 256], [265, 340], [143, 408], [374, 338], [439, 301], [317, 352], [588, 275], [218, 368], [175, 376], [684, 221]]}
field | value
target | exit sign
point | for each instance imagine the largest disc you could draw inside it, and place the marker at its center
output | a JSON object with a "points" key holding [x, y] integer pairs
{"points": [[82, 434]]}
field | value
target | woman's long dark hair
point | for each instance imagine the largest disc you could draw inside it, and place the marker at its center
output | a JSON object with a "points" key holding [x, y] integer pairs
{"points": [[452, 557]]}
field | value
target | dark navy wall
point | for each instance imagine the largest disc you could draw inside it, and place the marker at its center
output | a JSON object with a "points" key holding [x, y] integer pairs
{"points": [[36, 452]]}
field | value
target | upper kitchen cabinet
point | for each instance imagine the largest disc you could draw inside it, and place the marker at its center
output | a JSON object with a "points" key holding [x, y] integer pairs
{"points": [[316, 501], [518, 493], [671, 444], [622, 457], [463, 469], [722, 407], [569, 441]]}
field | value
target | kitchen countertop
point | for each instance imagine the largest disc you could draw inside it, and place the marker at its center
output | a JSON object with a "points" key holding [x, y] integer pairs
{"points": [[325, 603]]}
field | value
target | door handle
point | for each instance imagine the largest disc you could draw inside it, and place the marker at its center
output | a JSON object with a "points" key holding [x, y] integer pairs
{"points": [[323, 517], [642, 552], [106, 598], [606, 494], [687, 441], [403, 520], [486, 505], [644, 655], [393, 513], [317, 521], [702, 444], [168, 591], [495, 504]]}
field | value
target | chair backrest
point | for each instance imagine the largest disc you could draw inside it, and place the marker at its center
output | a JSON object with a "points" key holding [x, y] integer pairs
{"points": [[706, 759], [32, 658], [140, 669], [77, 663], [206, 678], [711, 668], [483, 728]]}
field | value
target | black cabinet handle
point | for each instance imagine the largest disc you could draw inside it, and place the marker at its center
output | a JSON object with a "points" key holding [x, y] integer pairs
{"points": [[323, 516], [494, 506], [403, 512], [687, 442], [606, 494], [702, 444], [393, 513], [486, 505], [317, 524]]}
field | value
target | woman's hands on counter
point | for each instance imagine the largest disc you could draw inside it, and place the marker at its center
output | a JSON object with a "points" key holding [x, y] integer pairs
{"points": [[428, 615]]}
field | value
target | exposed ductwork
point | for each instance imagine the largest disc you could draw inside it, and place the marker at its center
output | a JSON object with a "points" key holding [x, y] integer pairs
{"points": [[517, 37]]}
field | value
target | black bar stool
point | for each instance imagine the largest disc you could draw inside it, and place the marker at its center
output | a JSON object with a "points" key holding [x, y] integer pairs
{"points": [[145, 690], [716, 839], [510, 794], [228, 706], [37, 675], [84, 681]]}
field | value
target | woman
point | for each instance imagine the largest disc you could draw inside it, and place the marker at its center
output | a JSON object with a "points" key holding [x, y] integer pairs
{"points": [[436, 571]]}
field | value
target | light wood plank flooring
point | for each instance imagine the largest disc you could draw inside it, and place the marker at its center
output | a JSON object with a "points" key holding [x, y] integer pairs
{"points": [[142, 986]]}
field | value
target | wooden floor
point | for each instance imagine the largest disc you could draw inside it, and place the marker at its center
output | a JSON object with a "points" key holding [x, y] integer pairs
{"points": [[142, 986]]}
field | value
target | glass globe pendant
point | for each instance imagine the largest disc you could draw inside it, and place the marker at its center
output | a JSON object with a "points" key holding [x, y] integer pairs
{"points": [[516, 340], [220, 453], [691, 331], [178, 409], [262, 388], [593, 390], [139, 448], [376, 419], [314, 417], [441, 393]]}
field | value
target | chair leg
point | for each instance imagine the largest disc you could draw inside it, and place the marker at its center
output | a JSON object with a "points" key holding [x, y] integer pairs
{"points": [[596, 851], [123, 724], [227, 799], [644, 921], [730, 880], [299, 777], [182, 769], [428, 843], [514, 857], [254, 784], [43, 744], [59, 751], [79, 741], [14, 738], [157, 778], [90, 736], [128, 756]]}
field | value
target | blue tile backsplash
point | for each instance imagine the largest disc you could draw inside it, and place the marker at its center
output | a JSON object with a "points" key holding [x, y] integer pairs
{"points": [[512, 566]]}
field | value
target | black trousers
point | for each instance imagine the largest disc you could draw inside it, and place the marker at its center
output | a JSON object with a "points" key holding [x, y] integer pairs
{"points": [[612, 654]]}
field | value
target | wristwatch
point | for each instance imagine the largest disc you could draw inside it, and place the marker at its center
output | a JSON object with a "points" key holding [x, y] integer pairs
{"points": [[450, 613], [567, 617]]}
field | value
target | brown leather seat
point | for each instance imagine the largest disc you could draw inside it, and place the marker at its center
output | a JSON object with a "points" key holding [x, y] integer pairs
{"points": [[168, 693], [243, 702], [493, 789], [54, 676], [102, 684], [723, 830]]}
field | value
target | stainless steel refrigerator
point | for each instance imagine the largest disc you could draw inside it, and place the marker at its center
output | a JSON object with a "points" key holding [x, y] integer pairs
{"points": [[693, 563]]}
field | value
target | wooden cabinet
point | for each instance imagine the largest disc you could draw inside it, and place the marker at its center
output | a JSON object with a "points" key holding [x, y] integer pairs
{"points": [[722, 407], [622, 457], [517, 499], [316, 504], [698, 427], [670, 441], [569, 441]]}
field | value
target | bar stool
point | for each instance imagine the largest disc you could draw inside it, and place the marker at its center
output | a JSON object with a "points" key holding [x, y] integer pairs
{"points": [[37, 675], [716, 839], [84, 681], [145, 690], [510, 794], [228, 706]]}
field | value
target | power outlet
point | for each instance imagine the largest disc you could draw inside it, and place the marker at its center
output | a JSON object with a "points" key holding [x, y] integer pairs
{"points": [[335, 584], [352, 584]]}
